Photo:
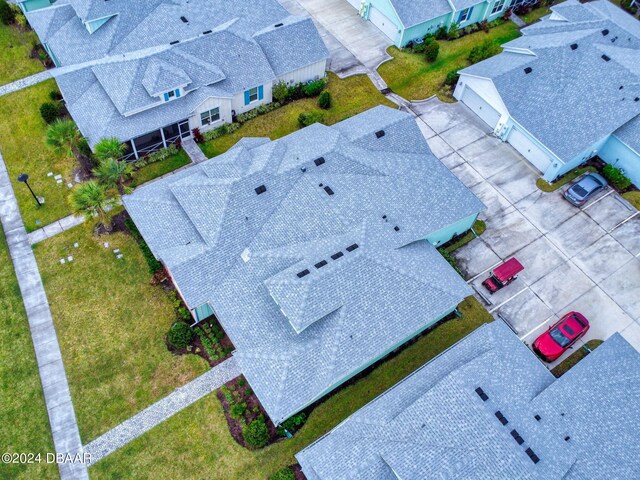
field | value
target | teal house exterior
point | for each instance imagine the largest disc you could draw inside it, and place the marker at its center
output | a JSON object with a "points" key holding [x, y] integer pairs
{"points": [[31, 5], [405, 21]]}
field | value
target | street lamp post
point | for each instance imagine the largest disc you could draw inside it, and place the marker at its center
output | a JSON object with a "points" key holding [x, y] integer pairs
{"points": [[23, 177]]}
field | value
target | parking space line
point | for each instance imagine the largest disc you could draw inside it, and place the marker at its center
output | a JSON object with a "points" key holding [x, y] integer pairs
{"points": [[508, 300], [596, 200]]}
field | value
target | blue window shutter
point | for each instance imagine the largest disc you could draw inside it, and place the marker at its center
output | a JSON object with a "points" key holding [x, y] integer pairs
{"points": [[246, 97], [166, 97], [260, 92], [177, 92]]}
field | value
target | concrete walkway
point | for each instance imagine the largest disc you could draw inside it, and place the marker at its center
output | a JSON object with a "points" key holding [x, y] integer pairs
{"points": [[62, 418], [517, 20], [25, 82], [193, 150], [54, 228], [157, 413]]}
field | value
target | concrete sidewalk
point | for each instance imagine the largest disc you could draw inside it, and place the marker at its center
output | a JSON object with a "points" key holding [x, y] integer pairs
{"points": [[54, 228], [64, 429]]}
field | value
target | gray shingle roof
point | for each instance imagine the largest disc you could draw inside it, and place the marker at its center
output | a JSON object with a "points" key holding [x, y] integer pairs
{"points": [[433, 424], [242, 251], [572, 98], [413, 12], [629, 133]]}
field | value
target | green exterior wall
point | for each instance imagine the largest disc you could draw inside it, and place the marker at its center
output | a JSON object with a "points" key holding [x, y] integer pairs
{"points": [[31, 5], [96, 24], [422, 29], [445, 234]]}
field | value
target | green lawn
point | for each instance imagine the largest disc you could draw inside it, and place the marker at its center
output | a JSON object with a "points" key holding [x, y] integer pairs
{"points": [[195, 443], [22, 142], [15, 47], [23, 417], [574, 358], [158, 169], [349, 97], [569, 177], [535, 15], [633, 198], [111, 324], [412, 77]]}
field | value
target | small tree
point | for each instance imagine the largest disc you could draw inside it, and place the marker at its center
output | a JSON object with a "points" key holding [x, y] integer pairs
{"points": [[453, 32], [89, 199], [113, 173], [314, 88], [7, 15], [109, 148], [441, 32], [63, 135], [452, 77], [50, 111], [180, 335], [256, 433], [306, 119], [431, 50], [324, 100], [280, 92]]}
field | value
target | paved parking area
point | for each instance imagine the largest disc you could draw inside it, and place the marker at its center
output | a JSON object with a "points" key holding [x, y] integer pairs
{"points": [[585, 259]]}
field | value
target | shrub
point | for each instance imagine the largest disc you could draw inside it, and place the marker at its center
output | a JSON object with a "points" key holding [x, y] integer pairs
{"points": [[55, 95], [153, 264], [157, 156], [292, 424], [50, 111], [452, 77], [324, 100], [616, 177], [256, 433], [224, 129], [237, 410], [197, 136], [284, 474], [431, 50], [453, 32], [306, 119], [296, 91], [507, 14], [452, 261], [280, 92], [487, 49], [484, 26], [313, 89], [419, 47], [442, 33], [180, 335], [7, 14]]}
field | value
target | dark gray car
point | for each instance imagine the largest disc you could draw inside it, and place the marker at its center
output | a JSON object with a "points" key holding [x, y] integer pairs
{"points": [[585, 188]]}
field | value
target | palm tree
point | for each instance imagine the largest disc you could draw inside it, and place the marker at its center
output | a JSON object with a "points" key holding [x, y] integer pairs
{"points": [[112, 173], [90, 199], [109, 148], [63, 135]]}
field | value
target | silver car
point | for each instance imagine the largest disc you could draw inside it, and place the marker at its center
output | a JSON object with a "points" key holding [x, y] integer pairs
{"points": [[584, 189]]}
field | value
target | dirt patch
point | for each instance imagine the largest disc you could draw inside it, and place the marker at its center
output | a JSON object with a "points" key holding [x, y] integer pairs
{"points": [[238, 392]]}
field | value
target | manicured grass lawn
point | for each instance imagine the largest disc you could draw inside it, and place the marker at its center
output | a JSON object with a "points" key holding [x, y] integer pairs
{"points": [[535, 15], [412, 77], [111, 324], [158, 169], [196, 443], [633, 198], [569, 177], [349, 97], [574, 358], [479, 227], [22, 142], [15, 48], [24, 425]]}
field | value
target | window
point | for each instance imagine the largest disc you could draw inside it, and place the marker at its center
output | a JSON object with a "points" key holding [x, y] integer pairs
{"points": [[560, 338], [464, 15], [210, 116], [171, 94], [497, 7], [253, 94]]}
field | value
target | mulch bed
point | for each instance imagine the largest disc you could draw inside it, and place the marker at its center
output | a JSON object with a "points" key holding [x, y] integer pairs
{"points": [[223, 346], [242, 393], [297, 471]]}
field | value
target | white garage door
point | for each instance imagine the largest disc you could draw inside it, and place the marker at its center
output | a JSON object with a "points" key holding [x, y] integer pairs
{"points": [[383, 22], [480, 107], [529, 150], [355, 4]]}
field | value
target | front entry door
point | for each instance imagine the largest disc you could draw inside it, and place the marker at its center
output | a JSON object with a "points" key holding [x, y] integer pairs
{"points": [[184, 129]]}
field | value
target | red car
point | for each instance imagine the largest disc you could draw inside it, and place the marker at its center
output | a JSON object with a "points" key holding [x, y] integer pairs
{"points": [[554, 342]]}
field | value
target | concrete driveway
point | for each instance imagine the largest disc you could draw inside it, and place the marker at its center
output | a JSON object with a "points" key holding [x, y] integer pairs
{"points": [[358, 36], [584, 259]]}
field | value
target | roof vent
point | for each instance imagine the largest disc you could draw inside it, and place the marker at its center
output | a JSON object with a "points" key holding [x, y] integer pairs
{"points": [[534, 458], [501, 417], [620, 87], [261, 189], [320, 264], [303, 273], [337, 255], [528, 70], [537, 417], [319, 161], [516, 436], [303, 169], [567, 438], [637, 99], [328, 190], [605, 32], [380, 134], [481, 394], [396, 228], [206, 32], [574, 46], [184, 19], [606, 58], [351, 248], [278, 25], [174, 42]]}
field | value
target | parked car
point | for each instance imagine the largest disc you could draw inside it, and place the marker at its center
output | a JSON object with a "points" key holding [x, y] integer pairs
{"points": [[554, 342], [584, 189], [503, 275]]}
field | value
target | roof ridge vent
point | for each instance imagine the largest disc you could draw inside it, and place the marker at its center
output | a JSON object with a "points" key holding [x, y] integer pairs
{"points": [[303, 273], [574, 46], [328, 190], [501, 417], [207, 32], [380, 134], [174, 42], [278, 25], [184, 19], [319, 161], [481, 394], [532, 455], [337, 255], [606, 58], [260, 190], [528, 70], [516, 436], [353, 247]]}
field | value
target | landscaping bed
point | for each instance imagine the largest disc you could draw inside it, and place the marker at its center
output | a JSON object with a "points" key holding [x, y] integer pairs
{"points": [[209, 342], [574, 358], [564, 179]]}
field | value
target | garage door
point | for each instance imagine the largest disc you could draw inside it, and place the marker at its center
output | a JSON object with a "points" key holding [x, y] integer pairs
{"points": [[355, 4], [383, 22], [529, 150], [480, 107]]}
